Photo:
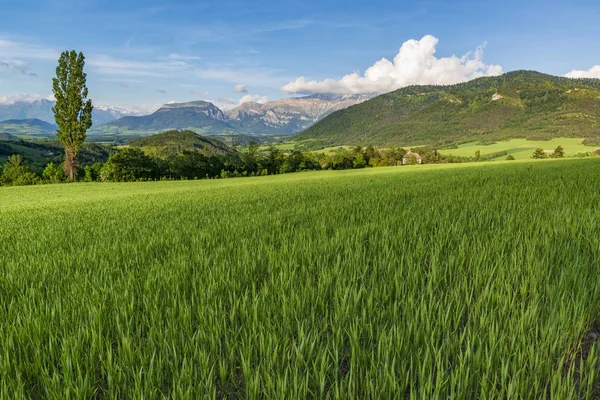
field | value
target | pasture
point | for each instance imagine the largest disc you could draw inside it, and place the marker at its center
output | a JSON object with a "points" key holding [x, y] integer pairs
{"points": [[521, 149]]}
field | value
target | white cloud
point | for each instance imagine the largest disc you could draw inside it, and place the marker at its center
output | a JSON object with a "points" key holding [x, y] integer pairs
{"points": [[240, 89], [7, 100], [227, 103], [16, 50], [415, 64], [593, 72], [253, 97], [256, 76], [175, 56], [110, 66]]}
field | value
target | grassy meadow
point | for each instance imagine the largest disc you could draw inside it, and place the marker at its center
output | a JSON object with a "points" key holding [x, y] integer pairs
{"points": [[435, 281], [521, 149]]}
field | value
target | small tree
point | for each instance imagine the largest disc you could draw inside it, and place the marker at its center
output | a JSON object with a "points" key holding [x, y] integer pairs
{"points": [[251, 157], [359, 161], [510, 157], [72, 111], [559, 152], [539, 154], [477, 156], [129, 165], [53, 173], [17, 173]]}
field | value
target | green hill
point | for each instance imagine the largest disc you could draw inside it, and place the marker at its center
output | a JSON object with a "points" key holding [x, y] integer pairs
{"points": [[8, 137], [32, 126], [520, 104], [175, 142]]}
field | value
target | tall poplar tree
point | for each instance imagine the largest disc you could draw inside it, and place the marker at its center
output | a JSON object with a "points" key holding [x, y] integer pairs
{"points": [[72, 111]]}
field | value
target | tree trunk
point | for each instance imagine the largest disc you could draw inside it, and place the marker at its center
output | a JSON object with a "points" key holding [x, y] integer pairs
{"points": [[70, 165]]}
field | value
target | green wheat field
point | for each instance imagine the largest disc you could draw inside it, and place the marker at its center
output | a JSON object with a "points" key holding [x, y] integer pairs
{"points": [[445, 281]]}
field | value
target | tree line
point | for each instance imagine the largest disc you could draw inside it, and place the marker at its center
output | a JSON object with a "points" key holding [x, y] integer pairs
{"points": [[133, 164]]}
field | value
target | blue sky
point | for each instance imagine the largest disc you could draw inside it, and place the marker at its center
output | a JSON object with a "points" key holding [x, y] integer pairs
{"points": [[145, 53]]}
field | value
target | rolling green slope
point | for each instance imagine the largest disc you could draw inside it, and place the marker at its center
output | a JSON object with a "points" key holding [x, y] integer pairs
{"points": [[31, 126], [520, 104]]}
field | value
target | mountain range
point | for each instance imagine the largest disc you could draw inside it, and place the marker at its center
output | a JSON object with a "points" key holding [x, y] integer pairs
{"points": [[519, 104], [280, 117], [200, 116], [42, 110], [289, 116]]}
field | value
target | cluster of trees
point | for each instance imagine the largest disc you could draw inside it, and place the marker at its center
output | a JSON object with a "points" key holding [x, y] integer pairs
{"points": [[133, 164], [539, 153]]}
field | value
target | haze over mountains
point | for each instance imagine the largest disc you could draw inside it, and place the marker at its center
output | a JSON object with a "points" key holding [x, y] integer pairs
{"points": [[42, 110]]}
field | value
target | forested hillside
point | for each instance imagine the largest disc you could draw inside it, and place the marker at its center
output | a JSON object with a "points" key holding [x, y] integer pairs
{"points": [[520, 104], [175, 142]]}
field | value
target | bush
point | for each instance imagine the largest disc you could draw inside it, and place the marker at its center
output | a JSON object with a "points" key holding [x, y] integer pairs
{"points": [[359, 161], [129, 165], [53, 173], [17, 173], [539, 153], [559, 152], [510, 157]]}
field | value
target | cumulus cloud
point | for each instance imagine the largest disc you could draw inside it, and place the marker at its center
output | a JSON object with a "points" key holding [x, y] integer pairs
{"points": [[240, 89], [415, 64], [17, 50], [227, 103], [593, 72], [253, 97]]}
